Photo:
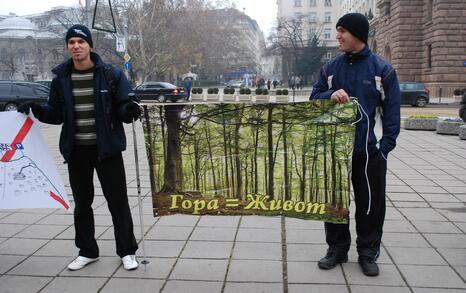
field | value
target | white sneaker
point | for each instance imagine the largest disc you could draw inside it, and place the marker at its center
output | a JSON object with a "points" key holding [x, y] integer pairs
{"points": [[80, 262], [129, 262]]}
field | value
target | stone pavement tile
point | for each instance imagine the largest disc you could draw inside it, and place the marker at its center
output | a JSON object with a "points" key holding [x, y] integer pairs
{"points": [[462, 226], [393, 214], [378, 289], [439, 197], [199, 269], [41, 266], [305, 252], [21, 246], [163, 248], [389, 275], [58, 248], [429, 189], [437, 290], [447, 240], [401, 226], [257, 250], [69, 233], [231, 287], [169, 233], [454, 256], [457, 183], [219, 221], [454, 189], [419, 182], [404, 240], [415, 255], [394, 181], [300, 288], [192, 287], [422, 214], [57, 220], [309, 272], [431, 276], [435, 227], [157, 268], [411, 176], [41, 231], [104, 267], [443, 176], [9, 261], [259, 235], [261, 222], [16, 284], [21, 218], [461, 197], [293, 223], [103, 220], [458, 215], [4, 214], [405, 196], [178, 220], [205, 249], [399, 188], [213, 234], [255, 271], [132, 285], [149, 220], [411, 204], [461, 270], [305, 236], [8, 230], [71, 285]]}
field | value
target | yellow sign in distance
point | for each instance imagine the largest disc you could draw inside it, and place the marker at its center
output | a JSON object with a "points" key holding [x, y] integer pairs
{"points": [[126, 57]]}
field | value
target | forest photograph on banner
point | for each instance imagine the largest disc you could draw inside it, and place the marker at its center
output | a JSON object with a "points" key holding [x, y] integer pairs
{"points": [[251, 159]]}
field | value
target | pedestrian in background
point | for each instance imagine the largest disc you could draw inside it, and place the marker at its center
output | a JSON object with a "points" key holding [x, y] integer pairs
{"points": [[360, 73], [462, 111], [187, 86], [91, 109]]}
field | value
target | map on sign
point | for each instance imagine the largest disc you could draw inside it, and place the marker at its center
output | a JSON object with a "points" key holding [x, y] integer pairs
{"points": [[28, 176]]}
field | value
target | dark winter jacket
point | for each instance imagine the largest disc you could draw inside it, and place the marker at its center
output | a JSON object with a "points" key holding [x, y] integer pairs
{"points": [[373, 82], [462, 111], [109, 110]]}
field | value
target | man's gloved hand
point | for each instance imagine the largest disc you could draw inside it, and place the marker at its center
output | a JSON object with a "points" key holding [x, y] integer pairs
{"points": [[26, 107], [132, 112]]}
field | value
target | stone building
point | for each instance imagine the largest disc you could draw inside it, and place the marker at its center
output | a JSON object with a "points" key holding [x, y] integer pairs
{"points": [[425, 40]]}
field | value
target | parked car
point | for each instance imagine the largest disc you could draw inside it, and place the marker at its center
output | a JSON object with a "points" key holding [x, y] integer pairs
{"points": [[235, 83], [47, 83], [414, 93], [160, 91], [13, 93]]}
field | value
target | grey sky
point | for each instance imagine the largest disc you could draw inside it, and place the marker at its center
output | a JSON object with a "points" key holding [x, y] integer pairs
{"points": [[263, 11]]}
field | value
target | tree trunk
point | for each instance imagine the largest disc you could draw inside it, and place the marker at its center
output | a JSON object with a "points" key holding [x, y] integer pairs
{"points": [[270, 152], [173, 176]]}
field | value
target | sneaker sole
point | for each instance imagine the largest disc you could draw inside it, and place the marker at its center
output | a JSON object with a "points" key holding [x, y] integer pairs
{"points": [[321, 266], [77, 269]]}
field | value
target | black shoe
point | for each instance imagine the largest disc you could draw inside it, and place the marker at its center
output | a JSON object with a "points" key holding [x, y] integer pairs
{"points": [[331, 259], [368, 266]]}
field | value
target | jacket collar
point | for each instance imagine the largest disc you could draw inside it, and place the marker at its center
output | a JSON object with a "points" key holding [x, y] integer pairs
{"points": [[66, 67], [353, 57]]}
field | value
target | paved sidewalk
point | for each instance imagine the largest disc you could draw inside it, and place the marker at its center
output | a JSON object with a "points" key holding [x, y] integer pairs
{"points": [[424, 244]]}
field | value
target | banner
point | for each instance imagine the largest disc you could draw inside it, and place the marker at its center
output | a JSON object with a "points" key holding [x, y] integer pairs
{"points": [[28, 176], [247, 158]]}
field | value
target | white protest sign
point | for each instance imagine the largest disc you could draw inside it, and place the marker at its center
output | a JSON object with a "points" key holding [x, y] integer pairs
{"points": [[28, 175]]}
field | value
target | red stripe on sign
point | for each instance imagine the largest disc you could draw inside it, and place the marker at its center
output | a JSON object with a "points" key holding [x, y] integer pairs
{"points": [[18, 139], [59, 199]]}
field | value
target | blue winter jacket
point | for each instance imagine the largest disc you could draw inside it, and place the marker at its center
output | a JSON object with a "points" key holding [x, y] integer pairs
{"points": [[108, 110], [373, 82]]}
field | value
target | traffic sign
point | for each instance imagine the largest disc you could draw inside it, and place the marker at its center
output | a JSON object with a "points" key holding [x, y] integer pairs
{"points": [[127, 66], [126, 57]]}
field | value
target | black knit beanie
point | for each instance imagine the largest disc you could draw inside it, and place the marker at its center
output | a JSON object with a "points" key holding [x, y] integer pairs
{"points": [[79, 31], [357, 24]]}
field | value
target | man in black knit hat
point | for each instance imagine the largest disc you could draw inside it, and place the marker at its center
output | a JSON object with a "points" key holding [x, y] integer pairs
{"points": [[360, 73], [92, 138]]}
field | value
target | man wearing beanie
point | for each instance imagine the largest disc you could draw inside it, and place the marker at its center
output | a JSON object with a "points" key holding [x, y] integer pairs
{"points": [[361, 74], [91, 111]]}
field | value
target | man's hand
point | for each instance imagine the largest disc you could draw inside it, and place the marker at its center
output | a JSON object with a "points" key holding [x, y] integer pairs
{"points": [[340, 97], [26, 107], [132, 112]]}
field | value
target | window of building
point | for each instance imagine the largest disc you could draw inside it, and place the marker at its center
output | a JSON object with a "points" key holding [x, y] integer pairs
{"points": [[328, 55], [328, 3], [328, 17], [327, 33], [429, 56], [298, 16], [298, 3], [312, 3], [430, 7], [313, 17], [387, 8]]}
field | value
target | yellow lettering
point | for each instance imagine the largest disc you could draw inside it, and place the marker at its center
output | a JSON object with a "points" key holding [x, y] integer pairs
{"points": [[288, 205], [186, 204], [300, 206], [275, 204], [316, 206], [257, 203], [198, 205], [174, 204], [213, 204]]}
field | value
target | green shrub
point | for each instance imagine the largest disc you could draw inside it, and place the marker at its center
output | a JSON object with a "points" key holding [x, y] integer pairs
{"points": [[232, 91], [457, 92], [285, 92], [258, 91], [247, 91], [279, 92], [423, 116], [194, 90], [215, 90], [199, 90], [242, 91], [265, 91], [210, 90]]}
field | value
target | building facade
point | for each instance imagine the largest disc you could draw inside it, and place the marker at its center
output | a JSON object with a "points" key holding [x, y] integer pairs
{"points": [[366, 7], [425, 40]]}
